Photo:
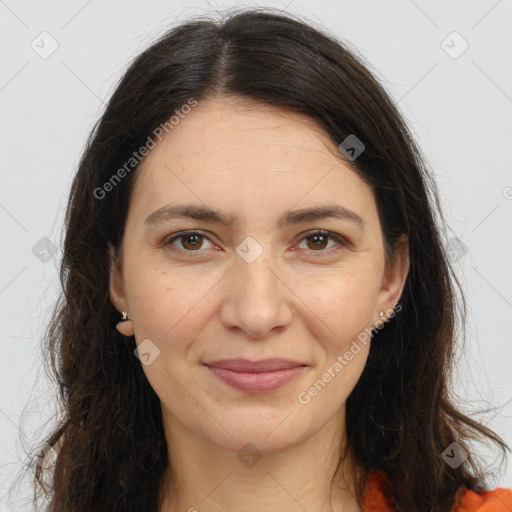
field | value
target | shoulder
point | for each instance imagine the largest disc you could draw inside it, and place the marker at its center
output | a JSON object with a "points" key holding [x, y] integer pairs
{"points": [[495, 500], [377, 499]]}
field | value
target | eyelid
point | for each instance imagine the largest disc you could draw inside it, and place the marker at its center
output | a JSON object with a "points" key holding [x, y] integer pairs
{"points": [[341, 240], [179, 234]]}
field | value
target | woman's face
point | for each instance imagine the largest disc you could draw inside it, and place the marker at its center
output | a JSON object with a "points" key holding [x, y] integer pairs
{"points": [[262, 286]]}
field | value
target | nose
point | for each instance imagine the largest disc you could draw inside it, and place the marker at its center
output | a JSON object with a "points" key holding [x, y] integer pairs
{"points": [[256, 297]]}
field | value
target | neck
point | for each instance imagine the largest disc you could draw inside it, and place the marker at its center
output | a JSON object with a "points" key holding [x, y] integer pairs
{"points": [[306, 476]]}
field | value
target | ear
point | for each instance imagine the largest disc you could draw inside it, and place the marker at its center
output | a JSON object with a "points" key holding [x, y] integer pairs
{"points": [[395, 275], [117, 292]]}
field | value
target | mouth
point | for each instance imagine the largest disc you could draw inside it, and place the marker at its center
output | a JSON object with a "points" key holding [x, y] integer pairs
{"points": [[256, 376]]}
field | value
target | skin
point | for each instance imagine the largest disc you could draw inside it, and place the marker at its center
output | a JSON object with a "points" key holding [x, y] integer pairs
{"points": [[296, 301]]}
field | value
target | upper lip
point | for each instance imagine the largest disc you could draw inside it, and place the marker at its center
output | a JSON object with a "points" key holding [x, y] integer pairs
{"points": [[245, 365]]}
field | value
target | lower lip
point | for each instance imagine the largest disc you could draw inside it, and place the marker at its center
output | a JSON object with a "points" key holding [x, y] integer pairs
{"points": [[256, 382]]}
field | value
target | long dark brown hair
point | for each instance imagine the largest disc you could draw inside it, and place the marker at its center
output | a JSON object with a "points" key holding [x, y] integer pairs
{"points": [[111, 453]]}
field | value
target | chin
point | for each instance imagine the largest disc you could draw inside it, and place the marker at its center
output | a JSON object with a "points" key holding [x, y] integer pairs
{"points": [[266, 435]]}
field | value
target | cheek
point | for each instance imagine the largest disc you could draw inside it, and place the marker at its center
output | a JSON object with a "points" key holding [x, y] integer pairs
{"points": [[345, 308], [164, 301], [343, 301], [166, 310]]}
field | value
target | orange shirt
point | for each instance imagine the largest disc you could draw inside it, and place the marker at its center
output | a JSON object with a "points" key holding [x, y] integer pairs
{"points": [[377, 500]]}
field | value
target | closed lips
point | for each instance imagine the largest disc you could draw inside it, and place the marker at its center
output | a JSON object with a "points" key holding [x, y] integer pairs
{"points": [[246, 366], [256, 376]]}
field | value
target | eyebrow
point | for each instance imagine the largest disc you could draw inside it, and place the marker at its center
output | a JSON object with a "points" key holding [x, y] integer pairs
{"points": [[205, 214]]}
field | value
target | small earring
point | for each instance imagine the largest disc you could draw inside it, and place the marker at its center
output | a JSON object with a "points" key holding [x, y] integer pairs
{"points": [[381, 314], [125, 316]]}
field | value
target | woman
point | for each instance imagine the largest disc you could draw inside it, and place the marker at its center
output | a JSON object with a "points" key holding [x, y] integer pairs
{"points": [[258, 309]]}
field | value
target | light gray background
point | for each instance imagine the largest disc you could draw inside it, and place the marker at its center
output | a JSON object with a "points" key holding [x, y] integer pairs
{"points": [[458, 106]]}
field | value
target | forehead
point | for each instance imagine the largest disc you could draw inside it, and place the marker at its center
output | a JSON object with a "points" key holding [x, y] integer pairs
{"points": [[243, 129], [253, 156]]}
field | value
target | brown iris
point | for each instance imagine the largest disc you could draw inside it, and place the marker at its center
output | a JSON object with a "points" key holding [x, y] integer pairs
{"points": [[195, 244], [319, 240]]}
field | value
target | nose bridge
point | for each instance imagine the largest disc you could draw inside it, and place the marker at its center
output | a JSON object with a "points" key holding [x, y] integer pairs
{"points": [[254, 268], [255, 302], [254, 264]]}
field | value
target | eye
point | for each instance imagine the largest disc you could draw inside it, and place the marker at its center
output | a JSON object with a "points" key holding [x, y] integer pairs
{"points": [[319, 240], [190, 241]]}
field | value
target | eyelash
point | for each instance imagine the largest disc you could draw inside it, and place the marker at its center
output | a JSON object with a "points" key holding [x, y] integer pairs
{"points": [[338, 238]]}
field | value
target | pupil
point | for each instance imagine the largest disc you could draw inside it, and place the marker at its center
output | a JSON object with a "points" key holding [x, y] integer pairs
{"points": [[194, 243], [319, 240]]}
